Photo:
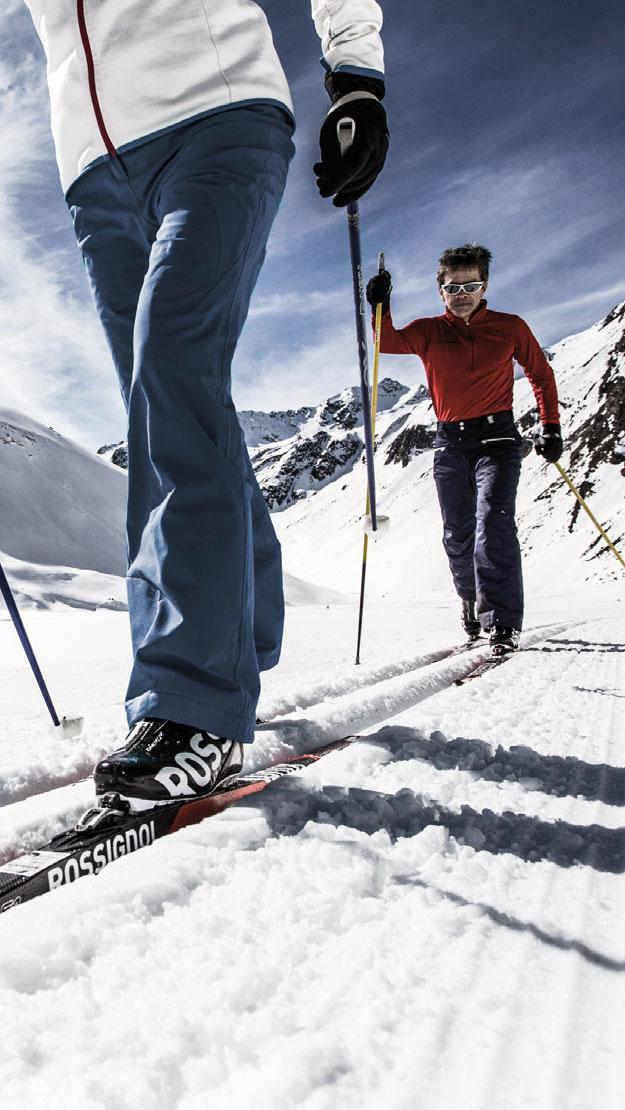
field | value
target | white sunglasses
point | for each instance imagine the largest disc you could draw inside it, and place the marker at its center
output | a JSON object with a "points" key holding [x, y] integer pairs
{"points": [[468, 287]]}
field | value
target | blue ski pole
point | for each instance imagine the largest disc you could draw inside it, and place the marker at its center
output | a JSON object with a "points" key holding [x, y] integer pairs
{"points": [[70, 727]]}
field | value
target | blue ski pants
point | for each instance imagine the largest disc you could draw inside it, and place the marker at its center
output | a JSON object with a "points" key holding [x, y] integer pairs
{"points": [[477, 465], [173, 235]]}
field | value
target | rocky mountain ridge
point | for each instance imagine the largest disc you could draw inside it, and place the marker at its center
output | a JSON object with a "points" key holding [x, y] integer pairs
{"points": [[310, 464]]}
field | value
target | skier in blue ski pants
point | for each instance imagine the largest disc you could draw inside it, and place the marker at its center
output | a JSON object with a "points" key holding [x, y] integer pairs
{"points": [[172, 125], [173, 235]]}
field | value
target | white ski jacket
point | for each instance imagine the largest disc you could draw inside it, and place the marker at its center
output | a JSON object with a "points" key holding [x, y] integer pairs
{"points": [[120, 71]]}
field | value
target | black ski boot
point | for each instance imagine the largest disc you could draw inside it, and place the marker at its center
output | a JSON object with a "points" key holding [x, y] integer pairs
{"points": [[470, 623], [503, 640], [165, 762]]}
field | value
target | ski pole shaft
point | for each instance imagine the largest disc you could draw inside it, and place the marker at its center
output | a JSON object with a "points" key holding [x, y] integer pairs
{"points": [[361, 607], [346, 129], [5, 590], [374, 407], [353, 224], [579, 497]]}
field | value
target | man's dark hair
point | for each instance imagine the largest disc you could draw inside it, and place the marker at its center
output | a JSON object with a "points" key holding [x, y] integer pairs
{"points": [[462, 258]]}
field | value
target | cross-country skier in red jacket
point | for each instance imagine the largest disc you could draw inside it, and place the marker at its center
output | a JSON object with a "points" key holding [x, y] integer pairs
{"points": [[468, 354]]}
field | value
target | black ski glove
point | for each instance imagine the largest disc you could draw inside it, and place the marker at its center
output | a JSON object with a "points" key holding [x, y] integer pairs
{"points": [[379, 290], [346, 177], [549, 442]]}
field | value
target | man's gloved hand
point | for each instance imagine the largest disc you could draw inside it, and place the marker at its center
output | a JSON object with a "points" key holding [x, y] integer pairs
{"points": [[549, 442], [379, 290], [346, 177]]}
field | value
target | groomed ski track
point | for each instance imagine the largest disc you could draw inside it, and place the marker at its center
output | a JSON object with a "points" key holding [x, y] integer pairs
{"points": [[431, 917], [346, 704]]}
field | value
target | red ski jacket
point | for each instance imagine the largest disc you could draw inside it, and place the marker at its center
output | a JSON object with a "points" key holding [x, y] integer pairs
{"points": [[468, 364]]}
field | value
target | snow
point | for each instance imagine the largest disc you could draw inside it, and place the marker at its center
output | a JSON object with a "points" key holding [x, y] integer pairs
{"points": [[430, 917], [59, 504]]}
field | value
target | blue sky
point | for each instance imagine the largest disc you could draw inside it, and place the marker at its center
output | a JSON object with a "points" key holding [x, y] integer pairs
{"points": [[506, 127]]}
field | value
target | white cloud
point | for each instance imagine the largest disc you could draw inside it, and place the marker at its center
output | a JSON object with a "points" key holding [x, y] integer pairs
{"points": [[311, 372], [291, 304], [54, 362]]}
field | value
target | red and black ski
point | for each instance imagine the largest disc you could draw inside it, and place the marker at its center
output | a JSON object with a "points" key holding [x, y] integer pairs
{"points": [[111, 830]]}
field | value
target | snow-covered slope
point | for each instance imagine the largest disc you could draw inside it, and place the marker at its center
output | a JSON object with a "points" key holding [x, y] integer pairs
{"points": [[319, 524], [62, 530], [59, 504], [430, 918], [590, 371], [63, 507]]}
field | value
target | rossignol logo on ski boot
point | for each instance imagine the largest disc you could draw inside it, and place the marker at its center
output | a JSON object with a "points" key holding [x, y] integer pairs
{"points": [[93, 859], [201, 765]]}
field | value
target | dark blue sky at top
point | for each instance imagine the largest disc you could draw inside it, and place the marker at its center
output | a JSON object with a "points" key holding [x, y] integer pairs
{"points": [[507, 127]]}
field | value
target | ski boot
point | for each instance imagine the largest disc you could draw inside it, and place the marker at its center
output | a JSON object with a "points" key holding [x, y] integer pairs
{"points": [[468, 617], [503, 640], [165, 762]]}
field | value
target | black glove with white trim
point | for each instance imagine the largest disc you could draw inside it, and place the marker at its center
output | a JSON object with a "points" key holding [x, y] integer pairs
{"points": [[549, 442], [347, 176]]}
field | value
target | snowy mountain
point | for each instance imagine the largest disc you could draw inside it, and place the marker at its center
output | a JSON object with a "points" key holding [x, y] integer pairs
{"points": [[62, 514], [310, 465], [64, 508], [556, 536], [59, 504]]}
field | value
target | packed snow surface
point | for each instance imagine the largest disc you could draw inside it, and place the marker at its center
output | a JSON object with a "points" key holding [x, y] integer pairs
{"points": [[431, 917]]}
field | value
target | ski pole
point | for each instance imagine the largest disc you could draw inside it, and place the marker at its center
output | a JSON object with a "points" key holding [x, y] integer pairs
{"points": [[590, 514], [374, 407], [345, 131], [70, 726]]}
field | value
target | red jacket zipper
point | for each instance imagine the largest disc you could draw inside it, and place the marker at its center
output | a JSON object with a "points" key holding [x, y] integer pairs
{"points": [[80, 6]]}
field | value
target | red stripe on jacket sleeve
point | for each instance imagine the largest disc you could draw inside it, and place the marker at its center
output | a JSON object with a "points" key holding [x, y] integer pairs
{"points": [[84, 34]]}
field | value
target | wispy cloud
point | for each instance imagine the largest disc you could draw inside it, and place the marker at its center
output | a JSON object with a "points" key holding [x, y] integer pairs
{"points": [[288, 304], [521, 156], [317, 368], [54, 361]]}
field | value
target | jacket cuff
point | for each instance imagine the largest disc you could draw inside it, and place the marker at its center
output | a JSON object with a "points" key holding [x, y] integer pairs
{"points": [[338, 83]]}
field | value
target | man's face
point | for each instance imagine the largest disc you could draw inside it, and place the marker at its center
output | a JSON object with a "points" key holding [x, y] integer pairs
{"points": [[462, 304]]}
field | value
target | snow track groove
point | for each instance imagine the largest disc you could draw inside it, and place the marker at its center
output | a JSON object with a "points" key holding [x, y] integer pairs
{"points": [[61, 762], [413, 922], [30, 822], [584, 982], [357, 679], [553, 968]]}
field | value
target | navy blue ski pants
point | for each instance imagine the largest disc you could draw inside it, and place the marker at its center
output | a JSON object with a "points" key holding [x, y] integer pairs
{"points": [[173, 235], [477, 465]]}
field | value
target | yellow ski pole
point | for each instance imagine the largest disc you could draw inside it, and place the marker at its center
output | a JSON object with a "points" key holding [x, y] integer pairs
{"points": [[374, 406], [591, 515]]}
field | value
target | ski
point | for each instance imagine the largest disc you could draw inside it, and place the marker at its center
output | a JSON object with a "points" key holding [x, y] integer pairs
{"points": [[111, 829], [468, 645], [483, 668]]}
